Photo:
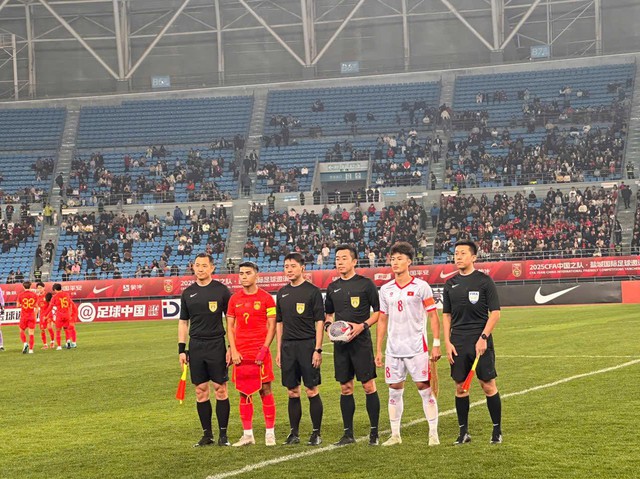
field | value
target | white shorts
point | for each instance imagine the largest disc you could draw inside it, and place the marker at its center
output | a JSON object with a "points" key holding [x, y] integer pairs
{"points": [[395, 369]]}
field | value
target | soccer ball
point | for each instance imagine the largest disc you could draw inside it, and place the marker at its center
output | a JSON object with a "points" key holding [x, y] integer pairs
{"points": [[339, 331]]}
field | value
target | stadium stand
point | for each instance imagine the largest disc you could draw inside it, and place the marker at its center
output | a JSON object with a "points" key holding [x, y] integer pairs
{"points": [[110, 245], [273, 234], [548, 126], [19, 233], [31, 129], [562, 224]]}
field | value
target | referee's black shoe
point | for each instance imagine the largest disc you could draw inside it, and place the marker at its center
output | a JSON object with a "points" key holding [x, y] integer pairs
{"points": [[496, 437], [205, 441], [291, 440], [374, 439], [314, 439], [223, 441], [346, 439], [463, 438]]}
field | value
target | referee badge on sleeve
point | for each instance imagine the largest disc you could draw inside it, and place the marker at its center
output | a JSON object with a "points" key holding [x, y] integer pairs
{"points": [[474, 296], [213, 306], [355, 301], [300, 308]]}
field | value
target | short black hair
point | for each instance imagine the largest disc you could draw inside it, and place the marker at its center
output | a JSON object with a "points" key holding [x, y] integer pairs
{"points": [[249, 264], [205, 255], [48, 296], [295, 256], [27, 285], [351, 249], [40, 283], [471, 244], [56, 287], [402, 247]]}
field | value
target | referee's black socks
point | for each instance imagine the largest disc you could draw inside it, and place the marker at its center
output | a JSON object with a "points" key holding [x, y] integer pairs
{"points": [[315, 410], [462, 409], [223, 410], [295, 414], [495, 411], [373, 409], [204, 413], [348, 409]]}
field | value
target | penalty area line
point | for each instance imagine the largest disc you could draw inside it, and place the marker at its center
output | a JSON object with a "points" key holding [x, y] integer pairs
{"points": [[311, 452]]}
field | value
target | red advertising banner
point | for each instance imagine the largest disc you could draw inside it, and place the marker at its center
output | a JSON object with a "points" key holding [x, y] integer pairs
{"points": [[158, 287]]}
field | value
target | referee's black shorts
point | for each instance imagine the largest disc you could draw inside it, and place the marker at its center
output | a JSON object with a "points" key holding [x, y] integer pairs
{"points": [[354, 358], [207, 360], [465, 345], [295, 360]]}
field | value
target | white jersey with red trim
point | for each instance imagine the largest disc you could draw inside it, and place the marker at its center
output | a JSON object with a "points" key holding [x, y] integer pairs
{"points": [[406, 307]]}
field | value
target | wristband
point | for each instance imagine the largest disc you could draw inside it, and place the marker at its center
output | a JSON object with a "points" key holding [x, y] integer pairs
{"points": [[327, 325], [436, 342], [182, 348], [262, 353], [366, 326]]}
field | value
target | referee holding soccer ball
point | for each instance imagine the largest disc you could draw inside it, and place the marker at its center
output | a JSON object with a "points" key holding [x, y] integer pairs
{"points": [[201, 308], [351, 298], [299, 320], [471, 310]]}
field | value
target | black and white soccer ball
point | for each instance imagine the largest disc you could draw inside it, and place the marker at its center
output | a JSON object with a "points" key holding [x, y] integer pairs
{"points": [[339, 331]]}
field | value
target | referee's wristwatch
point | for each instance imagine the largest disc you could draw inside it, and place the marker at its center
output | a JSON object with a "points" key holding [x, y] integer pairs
{"points": [[319, 351], [484, 336]]}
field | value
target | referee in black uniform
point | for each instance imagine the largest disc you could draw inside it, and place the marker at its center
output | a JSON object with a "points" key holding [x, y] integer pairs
{"points": [[201, 308], [299, 317], [351, 298], [471, 310]]}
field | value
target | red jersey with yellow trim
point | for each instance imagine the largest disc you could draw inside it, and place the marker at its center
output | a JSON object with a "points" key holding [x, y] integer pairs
{"points": [[45, 309], [28, 302], [63, 303], [406, 308], [251, 312]]}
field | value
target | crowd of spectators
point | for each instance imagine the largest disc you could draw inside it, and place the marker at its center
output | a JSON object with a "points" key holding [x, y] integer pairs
{"points": [[106, 240], [562, 224], [315, 235], [43, 168], [280, 180]]}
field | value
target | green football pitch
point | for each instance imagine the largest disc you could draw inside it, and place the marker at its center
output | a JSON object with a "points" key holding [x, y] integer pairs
{"points": [[568, 377]]}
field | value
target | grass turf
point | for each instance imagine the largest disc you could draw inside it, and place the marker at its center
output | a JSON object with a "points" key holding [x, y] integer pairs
{"points": [[107, 409]]}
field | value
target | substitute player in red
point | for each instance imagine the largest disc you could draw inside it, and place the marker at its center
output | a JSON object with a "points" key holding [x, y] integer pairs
{"points": [[44, 315], [405, 302], [251, 325], [65, 312], [28, 302]]}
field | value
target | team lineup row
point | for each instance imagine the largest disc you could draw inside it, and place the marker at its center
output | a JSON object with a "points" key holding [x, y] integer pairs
{"points": [[298, 319], [52, 310]]}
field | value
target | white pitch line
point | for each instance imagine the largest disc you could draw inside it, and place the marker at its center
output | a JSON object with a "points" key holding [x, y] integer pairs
{"points": [[311, 452], [544, 356]]}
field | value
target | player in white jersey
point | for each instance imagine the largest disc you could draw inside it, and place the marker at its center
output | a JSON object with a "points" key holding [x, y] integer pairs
{"points": [[405, 303]]}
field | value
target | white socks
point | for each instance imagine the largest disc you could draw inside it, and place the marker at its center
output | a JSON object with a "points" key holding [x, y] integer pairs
{"points": [[396, 407], [430, 407]]}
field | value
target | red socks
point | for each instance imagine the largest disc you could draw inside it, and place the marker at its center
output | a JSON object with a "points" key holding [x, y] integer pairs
{"points": [[72, 332], [51, 334], [269, 411], [43, 335], [246, 412], [58, 334], [23, 336], [32, 341]]}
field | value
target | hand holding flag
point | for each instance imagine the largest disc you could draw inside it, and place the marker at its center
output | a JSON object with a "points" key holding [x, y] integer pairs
{"points": [[467, 382], [182, 384]]}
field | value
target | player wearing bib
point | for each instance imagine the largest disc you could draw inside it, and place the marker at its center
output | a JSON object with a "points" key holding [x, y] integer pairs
{"points": [[352, 298], [251, 324], [65, 309], [201, 308], [44, 315], [28, 302], [299, 317], [405, 303], [471, 310]]}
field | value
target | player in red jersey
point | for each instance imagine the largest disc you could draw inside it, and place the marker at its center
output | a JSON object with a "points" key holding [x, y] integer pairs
{"points": [[28, 302], [65, 309], [251, 325], [44, 315]]}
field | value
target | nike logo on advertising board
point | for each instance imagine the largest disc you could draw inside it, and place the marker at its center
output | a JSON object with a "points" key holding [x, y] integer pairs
{"points": [[540, 298], [445, 276], [100, 290]]}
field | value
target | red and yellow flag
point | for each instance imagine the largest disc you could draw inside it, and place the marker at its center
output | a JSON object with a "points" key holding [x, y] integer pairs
{"points": [[182, 385]]}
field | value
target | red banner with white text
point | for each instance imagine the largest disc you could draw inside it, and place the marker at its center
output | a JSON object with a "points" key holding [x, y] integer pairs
{"points": [[157, 287]]}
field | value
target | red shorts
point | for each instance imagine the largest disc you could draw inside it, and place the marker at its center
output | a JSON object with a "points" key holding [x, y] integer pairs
{"points": [[249, 376], [62, 321], [27, 322]]}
